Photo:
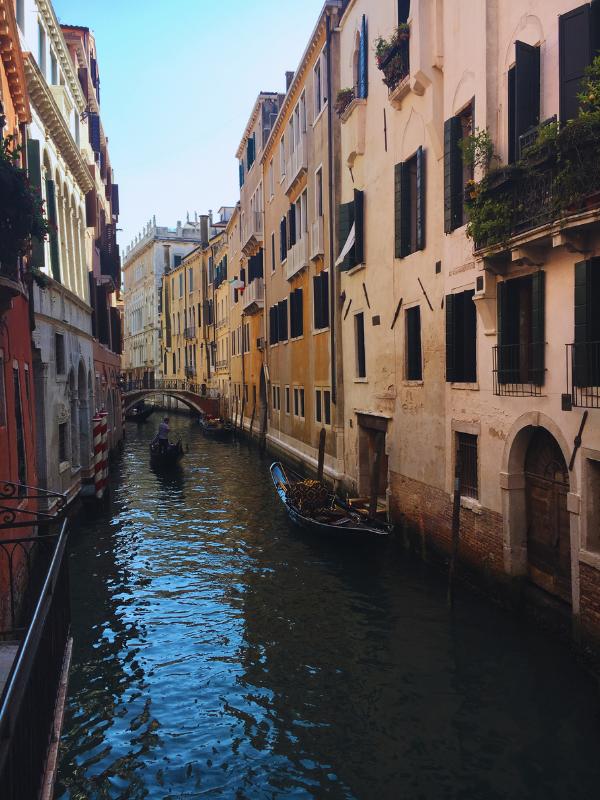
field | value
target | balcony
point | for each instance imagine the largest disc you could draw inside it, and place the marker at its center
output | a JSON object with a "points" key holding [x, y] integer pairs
{"points": [[222, 364], [317, 248], [516, 370], [253, 234], [221, 323], [297, 258], [189, 333], [583, 374], [35, 642], [254, 296], [190, 372], [297, 164], [354, 126]]}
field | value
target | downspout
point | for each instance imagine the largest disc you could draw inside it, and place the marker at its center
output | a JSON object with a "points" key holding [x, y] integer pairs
{"points": [[332, 269]]}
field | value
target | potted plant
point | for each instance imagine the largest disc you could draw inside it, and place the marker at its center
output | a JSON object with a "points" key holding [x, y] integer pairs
{"points": [[343, 99], [391, 56], [21, 210]]}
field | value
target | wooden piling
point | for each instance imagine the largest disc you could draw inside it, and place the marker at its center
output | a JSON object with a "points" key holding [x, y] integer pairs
{"points": [[322, 435], [252, 422], [375, 470], [455, 527]]}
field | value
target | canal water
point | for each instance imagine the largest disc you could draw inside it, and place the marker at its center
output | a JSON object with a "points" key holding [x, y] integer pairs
{"points": [[221, 653]]}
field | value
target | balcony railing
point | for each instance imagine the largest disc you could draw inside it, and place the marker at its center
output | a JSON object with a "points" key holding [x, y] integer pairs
{"points": [[189, 333], [297, 257], [34, 637], [170, 384], [296, 162], [254, 296], [222, 363], [583, 374], [316, 239], [516, 373], [222, 322], [253, 235]]}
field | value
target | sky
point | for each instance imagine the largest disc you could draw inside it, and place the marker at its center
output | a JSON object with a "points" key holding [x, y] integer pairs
{"points": [[177, 84]]}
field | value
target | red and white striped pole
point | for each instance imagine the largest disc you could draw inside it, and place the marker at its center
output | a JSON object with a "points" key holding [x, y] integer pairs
{"points": [[122, 413], [104, 415], [99, 482]]}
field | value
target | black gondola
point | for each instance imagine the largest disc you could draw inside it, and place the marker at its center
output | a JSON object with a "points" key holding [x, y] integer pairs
{"points": [[332, 517], [165, 458], [215, 428], [139, 413]]}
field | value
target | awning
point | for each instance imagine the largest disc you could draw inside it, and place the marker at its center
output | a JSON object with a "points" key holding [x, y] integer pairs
{"points": [[347, 247]]}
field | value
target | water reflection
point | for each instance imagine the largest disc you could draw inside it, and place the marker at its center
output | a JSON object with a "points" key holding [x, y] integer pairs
{"points": [[222, 653]]}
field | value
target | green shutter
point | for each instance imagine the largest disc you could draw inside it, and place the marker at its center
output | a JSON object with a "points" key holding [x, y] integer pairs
{"points": [[453, 191], [583, 311], [538, 338], [34, 168], [420, 199], [317, 302], [398, 210], [344, 225], [502, 360], [299, 313], [52, 219], [450, 343], [402, 232], [359, 228]]}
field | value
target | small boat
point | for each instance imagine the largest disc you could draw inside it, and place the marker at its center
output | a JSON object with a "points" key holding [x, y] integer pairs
{"points": [[215, 427], [310, 504], [139, 413], [168, 458]]}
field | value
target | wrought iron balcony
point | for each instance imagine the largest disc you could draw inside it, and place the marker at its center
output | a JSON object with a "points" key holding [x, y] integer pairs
{"points": [[297, 163], [583, 374], [297, 257], [253, 234], [516, 373]]}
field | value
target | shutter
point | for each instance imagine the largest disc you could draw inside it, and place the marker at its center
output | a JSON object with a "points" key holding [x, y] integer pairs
{"points": [[358, 251], [502, 317], [34, 170], [292, 314], [281, 240], [402, 210], [94, 123], [259, 264], [574, 54], [317, 302], [82, 74], [469, 337], [114, 199], [282, 315], [450, 343], [292, 226], [527, 90], [241, 169], [363, 51], [420, 199], [538, 339], [299, 313], [453, 191], [583, 313], [325, 299], [51, 209], [344, 226]]}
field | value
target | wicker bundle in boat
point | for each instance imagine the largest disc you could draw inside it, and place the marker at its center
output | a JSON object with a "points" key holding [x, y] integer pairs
{"points": [[308, 496]]}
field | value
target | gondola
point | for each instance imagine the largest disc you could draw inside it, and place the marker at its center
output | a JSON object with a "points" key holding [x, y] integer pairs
{"points": [[168, 458], [215, 428], [139, 413], [320, 510]]}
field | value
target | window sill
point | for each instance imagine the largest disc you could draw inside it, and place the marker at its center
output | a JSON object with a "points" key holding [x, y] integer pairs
{"points": [[354, 269], [317, 331], [471, 504], [319, 115], [408, 382], [361, 380], [296, 338], [473, 387]]}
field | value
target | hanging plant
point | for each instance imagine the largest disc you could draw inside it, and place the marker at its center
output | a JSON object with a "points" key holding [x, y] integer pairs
{"points": [[391, 56], [343, 99], [21, 208]]}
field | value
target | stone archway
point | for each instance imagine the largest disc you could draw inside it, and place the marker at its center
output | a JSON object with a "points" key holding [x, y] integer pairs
{"points": [[540, 540]]}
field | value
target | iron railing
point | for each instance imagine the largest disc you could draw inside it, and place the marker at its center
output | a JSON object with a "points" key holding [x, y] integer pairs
{"points": [[516, 370], [22, 506], [170, 385], [41, 627], [583, 374]]}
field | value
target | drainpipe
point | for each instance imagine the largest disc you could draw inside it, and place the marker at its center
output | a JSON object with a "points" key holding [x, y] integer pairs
{"points": [[332, 268]]}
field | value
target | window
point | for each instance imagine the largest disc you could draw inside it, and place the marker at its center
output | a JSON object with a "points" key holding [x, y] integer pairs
{"points": [[241, 172], [273, 252], [461, 338], [176, 261], [299, 401], [283, 239], [414, 369], [403, 11], [59, 353], [54, 70], [351, 216], [42, 49], [287, 399], [466, 452], [327, 406], [577, 46], [456, 173], [190, 280], [271, 180], [319, 192], [318, 406], [282, 157], [361, 77], [586, 349], [296, 314], [321, 300], [21, 14], [409, 205], [520, 351], [250, 151], [63, 443], [359, 345], [303, 214], [276, 398], [282, 324], [318, 87], [180, 284], [523, 96]]}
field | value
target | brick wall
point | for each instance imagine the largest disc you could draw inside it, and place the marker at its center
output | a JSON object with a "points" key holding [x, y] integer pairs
{"points": [[427, 511], [589, 579]]}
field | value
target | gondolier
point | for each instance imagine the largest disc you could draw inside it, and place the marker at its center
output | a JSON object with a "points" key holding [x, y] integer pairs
{"points": [[163, 435]]}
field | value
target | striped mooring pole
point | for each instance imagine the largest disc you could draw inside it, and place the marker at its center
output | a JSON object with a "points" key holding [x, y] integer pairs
{"points": [[99, 481], [104, 415]]}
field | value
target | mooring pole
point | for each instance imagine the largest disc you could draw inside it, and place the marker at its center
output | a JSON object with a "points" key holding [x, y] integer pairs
{"points": [[375, 470], [455, 527], [322, 435]]}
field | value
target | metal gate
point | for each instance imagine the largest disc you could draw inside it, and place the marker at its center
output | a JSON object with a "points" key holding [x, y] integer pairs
{"points": [[548, 534]]}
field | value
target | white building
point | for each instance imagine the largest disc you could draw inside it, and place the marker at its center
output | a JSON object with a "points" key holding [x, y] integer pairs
{"points": [[58, 158], [155, 251]]}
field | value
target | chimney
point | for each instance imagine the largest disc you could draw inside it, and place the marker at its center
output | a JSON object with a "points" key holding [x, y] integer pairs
{"points": [[210, 217], [289, 77], [179, 227], [204, 228]]}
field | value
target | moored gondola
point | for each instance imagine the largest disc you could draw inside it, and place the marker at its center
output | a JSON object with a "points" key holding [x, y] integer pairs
{"points": [[310, 504], [215, 427], [168, 457]]}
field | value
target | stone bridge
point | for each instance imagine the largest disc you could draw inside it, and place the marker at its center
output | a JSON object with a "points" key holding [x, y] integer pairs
{"points": [[190, 394]]}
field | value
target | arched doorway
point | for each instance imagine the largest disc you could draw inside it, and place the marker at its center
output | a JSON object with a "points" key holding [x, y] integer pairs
{"points": [[548, 533]]}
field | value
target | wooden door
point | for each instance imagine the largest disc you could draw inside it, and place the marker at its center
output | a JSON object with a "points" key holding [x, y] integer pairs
{"points": [[548, 534]]}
